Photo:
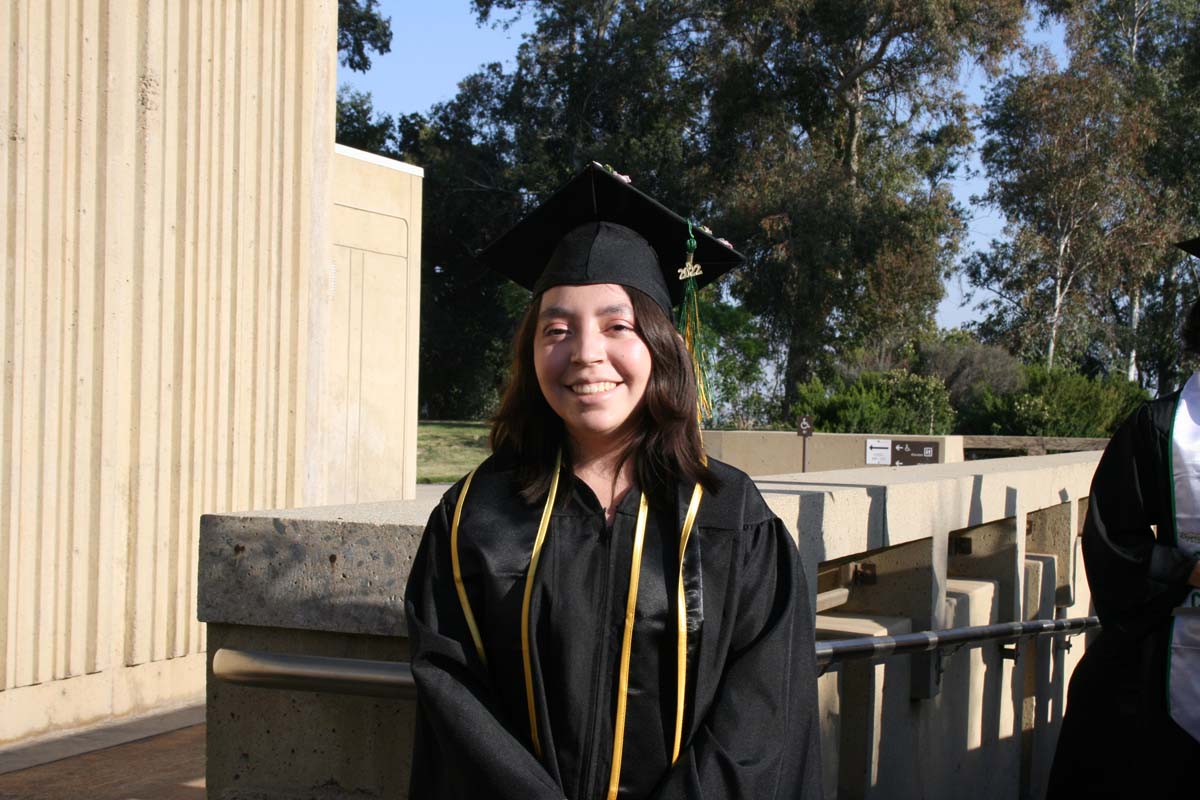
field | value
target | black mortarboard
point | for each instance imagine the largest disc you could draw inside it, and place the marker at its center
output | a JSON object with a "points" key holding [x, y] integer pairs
{"points": [[600, 229], [1191, 245]]}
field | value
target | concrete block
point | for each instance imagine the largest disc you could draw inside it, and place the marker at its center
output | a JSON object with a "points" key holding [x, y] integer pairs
{"points": [[779, 452], [336, 568], [879, 694], [271, 744], [1044, 686]]}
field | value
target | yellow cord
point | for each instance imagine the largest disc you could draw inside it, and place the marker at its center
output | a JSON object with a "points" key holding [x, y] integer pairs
{"points": [[543, 526], [635, 569], [457, 570], [681, 622]]}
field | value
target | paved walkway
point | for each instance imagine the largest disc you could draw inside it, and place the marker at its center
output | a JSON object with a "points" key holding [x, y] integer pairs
{"points": [[153, 766]]}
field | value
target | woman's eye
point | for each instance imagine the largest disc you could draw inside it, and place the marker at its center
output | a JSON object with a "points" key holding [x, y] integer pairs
{"points": [[555, 330]]}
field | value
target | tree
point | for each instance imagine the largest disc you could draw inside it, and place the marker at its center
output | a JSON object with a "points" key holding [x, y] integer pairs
{"points": [[361, 127], [1146, 47], [969, 367], [1065, 163], [361, 28], [469, 198], [833, 129], [611, 82]]}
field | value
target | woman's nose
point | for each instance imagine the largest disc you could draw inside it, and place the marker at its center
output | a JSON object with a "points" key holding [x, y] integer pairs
{"points": [[589, 347]]}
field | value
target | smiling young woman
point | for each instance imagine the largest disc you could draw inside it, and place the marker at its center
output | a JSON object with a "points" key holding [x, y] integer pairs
{"points": [[599, 611]]}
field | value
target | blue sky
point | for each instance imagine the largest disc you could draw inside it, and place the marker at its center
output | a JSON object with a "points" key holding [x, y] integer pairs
{"points": [[437, 44]]}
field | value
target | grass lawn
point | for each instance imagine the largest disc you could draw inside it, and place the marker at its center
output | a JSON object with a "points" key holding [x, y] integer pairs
{"points": [[448, 450]]}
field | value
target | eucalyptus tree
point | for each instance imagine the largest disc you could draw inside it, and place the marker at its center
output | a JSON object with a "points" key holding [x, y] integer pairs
{"points": [[1087, 163], [1065, 163], [1144, 43]]}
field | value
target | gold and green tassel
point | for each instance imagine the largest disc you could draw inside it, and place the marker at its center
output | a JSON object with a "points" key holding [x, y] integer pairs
{"points": [[689, 329]]}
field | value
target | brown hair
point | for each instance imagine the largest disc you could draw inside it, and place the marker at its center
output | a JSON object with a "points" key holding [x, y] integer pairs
{"points": [[665, 447]]}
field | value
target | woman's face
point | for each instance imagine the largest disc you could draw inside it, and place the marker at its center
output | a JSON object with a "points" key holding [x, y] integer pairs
{"points": [[591, 363]]}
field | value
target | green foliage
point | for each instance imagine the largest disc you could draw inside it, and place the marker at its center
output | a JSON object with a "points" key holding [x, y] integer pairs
{"points": [[361, 28], [1054, 403], [820, 137], [1089, 163], [834, 126], [360, 126], [737, 352], [470, 198], [968, 367], [896, 402]]}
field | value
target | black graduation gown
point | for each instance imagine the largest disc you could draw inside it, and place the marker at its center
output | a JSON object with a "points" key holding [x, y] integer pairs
{"points": [[751, 721], [1117, 737]]}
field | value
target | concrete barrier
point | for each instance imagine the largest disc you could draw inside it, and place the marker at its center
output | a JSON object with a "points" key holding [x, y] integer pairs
{"points": [[919, 548], [780, 452]]}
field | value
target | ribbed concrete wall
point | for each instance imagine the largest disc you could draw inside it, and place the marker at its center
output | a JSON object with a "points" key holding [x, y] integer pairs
{"points": [[364, 416], [164, 171]]}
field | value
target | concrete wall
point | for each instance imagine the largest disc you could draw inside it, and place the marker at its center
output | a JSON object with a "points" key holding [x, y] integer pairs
{"points": [[164, 186], [779, 452], [364, 420], [947, 545]]}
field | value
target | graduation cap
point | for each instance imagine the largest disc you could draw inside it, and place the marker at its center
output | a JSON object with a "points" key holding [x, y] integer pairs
{"points": [[1191, 246], [600, 229]]}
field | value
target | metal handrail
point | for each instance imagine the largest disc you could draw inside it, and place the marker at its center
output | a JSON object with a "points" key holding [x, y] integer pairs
{"points": [[373, 678], [880, 647], [360, 676]]}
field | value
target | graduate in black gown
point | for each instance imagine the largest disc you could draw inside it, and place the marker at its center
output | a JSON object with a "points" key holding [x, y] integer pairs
{"points": [[1118, 736], [599, 611]]}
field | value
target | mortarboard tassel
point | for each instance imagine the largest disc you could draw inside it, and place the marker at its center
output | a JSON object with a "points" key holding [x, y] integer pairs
{"points": [[689, 329]]}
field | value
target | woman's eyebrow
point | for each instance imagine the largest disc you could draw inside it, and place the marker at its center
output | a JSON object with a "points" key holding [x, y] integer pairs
{"points": [[615, 309], [560, 311], [554, 311]]}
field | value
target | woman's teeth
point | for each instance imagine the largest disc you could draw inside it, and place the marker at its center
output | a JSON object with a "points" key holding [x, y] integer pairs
{"points": [[593, 388]]}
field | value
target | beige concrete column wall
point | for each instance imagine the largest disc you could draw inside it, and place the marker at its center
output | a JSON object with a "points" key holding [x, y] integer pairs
{"points": [[363, 422], [164, 170]]}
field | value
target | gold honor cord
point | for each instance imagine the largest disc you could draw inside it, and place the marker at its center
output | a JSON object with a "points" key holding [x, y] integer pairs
{"points": [[681, 620], [635, 570], [543, 526], [457, 570]]}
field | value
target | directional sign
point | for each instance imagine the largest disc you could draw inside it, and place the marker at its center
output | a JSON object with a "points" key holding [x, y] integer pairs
{"points": [[879, 451], [804, 426], [909, 453]]}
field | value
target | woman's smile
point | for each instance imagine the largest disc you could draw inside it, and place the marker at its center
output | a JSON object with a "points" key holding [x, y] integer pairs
{"points": [[600, 387]]}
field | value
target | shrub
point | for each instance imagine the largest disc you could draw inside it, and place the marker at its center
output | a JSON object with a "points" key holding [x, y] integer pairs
{"points": [[1054, 403], [896, 402]]}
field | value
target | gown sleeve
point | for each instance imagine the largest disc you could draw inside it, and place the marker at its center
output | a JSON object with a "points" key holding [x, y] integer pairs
{"points": [[760, 738], [462, 748], [1135, 579]]}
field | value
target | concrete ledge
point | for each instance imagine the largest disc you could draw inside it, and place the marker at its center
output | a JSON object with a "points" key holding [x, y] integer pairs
{"points": [[946, 546], [334, 568]]}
